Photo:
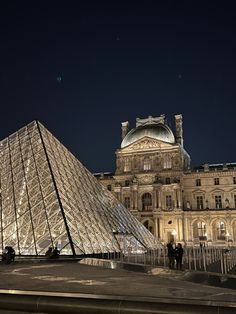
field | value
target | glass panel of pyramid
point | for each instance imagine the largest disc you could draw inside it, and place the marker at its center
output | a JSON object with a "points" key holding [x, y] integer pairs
{"points": [[48, 198]]}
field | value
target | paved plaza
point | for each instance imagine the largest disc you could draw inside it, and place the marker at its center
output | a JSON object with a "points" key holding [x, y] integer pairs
{"points": [[76, 278]]}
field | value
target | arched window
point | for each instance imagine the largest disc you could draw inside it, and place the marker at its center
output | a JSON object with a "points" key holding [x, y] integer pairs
{"points": [[220, 230], [199, 230], [147, 164], [147, 201]]}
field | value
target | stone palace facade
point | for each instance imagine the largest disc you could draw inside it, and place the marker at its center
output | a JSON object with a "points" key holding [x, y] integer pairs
{"points": [[153, 179]]}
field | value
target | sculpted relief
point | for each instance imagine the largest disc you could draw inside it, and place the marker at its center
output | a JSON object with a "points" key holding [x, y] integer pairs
{"points": [[145, 144], [146, 179]]}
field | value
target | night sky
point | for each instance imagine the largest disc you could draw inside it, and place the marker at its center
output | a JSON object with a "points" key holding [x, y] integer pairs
{"points": [[82, 69]]}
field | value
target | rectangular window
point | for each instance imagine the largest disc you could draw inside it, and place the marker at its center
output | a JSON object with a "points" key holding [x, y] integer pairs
{"points": [[234, 180], [218, 201], [216, 181], [127, 165], [147, 164], [199, 202], [167, 162], [127, 202], [198, 182], [167, 180], [126, 183], [168, 202]]}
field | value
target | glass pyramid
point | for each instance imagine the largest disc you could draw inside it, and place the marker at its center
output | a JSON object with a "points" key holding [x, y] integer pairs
{"points": [[48, 198]]}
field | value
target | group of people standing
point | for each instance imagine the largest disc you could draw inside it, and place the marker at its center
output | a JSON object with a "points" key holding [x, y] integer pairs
{"points": [[175, 254]]}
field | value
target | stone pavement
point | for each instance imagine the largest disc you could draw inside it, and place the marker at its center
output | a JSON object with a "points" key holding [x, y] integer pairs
{"points": [[74, 277]]}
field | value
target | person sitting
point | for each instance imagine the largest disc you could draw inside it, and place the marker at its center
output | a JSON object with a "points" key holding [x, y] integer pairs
{"points": [[55, 253], [49, 252], [8, 254]]}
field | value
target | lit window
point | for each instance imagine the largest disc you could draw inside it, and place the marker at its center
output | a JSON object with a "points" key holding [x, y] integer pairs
{"points": [[146, 164], [220, 230], [201, 227], [218, 201], [127, 165], [198, 182], [147, 201], [199, 202], [216, 181], [167, 162]]}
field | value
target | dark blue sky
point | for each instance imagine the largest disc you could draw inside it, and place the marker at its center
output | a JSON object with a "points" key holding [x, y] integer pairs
{"points": [[118, 61]]}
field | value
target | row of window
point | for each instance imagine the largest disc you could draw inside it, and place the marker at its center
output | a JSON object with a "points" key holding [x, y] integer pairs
{"points": [[218, 202], [147, 202], [218, 231], [168, 181], [167, 163], [158, 180], [216, 181]]}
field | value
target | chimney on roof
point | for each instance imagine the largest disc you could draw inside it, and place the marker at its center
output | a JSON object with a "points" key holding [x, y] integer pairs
{"points": [[179, 129], [124, 129]]}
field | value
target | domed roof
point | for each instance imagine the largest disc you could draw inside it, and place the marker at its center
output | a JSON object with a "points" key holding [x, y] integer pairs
{"points": [[157, 131]]}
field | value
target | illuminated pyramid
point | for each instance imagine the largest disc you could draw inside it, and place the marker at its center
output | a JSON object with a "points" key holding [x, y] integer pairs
{"points": [[48, 198]]}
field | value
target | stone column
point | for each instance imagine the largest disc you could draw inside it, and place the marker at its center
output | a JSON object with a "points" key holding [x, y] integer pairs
{"points": [[117, 190], [154, 203], [186, 227], [135, 196], [156, 230], [179, 197], [209, 230], [159, 198], [161, 231], [180, 228]]}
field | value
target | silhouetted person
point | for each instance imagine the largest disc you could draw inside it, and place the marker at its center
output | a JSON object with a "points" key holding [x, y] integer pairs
{"points": [[171, 254], [55, 253], [8, 255], [179, 255], [49, 252]]}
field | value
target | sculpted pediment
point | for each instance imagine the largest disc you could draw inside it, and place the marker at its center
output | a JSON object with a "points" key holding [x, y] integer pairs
{"points": [[146, 143]]}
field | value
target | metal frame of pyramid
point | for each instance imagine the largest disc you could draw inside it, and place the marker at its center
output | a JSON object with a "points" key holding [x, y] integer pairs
{"points": [[48, 198]]}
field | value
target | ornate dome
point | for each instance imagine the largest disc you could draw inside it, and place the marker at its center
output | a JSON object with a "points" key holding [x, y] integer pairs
{"points": [[157, 131]]}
